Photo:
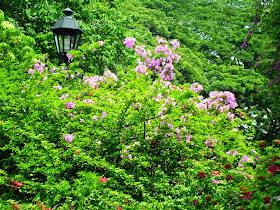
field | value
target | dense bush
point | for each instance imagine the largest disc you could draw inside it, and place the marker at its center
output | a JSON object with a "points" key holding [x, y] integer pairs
{"points": [[71, 139]]}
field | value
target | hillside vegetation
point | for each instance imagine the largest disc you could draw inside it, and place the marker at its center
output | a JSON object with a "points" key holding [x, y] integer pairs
{"points": [[166, 105]]}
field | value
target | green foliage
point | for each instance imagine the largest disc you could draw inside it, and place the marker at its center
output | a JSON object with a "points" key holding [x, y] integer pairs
{"points": [[147, 136]]}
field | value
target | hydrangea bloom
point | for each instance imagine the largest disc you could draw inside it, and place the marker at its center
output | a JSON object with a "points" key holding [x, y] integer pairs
{"points": [[129, 42]]}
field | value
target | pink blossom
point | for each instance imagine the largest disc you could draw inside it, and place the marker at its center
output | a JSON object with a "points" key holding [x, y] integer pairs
{"points": [[210, 143], [22, 91], [229, 153], [69, 56], [214, 181], [245, 159], [31, 71], [160, 113], [101, 43], [98, 142], [38, 95], [71, 115], [103, 179], [177, 130], [175, 44], [160, 40], [122, 156], [179, 137], [196, 87], [129, 42], [230, 115], [82, 120], [95, 118], [188, 138], [84, 57], [72, 76], [70, 105], [170, 126], [57, 87], [68, 137], [234, 152], [129, 156], [104, 114]]}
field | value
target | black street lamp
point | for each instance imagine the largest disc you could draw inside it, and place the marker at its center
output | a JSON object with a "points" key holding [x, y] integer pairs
{"points": [[67, 35]]}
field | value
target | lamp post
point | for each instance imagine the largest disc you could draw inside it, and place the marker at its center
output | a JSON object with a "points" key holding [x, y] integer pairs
{"points": [[67, 35]]}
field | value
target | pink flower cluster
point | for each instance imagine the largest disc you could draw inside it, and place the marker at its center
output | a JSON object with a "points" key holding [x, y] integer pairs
{"points": [[70, 105], [69, 56], [95, 81], [129, 42], [103, 179], [220, 101], [91, 102], [57, 87], [64, 96], [163, 65], [229, 153], [210, 143], [104, 114], [68, 137], [196, 87], [39, 66]]}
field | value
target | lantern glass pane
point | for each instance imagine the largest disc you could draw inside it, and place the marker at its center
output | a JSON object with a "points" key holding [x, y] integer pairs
{"points": [[67, 43], [60, 41], [77, 41], [56, 43]]}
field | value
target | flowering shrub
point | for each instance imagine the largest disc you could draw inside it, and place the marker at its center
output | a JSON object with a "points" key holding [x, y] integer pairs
{"points": [[127, 141]]}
